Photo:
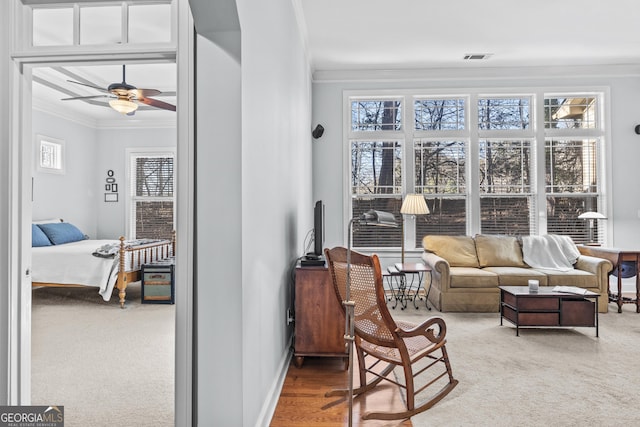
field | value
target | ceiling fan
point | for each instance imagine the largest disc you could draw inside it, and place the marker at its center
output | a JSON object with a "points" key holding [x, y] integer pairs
{"points": [[125, 97]]}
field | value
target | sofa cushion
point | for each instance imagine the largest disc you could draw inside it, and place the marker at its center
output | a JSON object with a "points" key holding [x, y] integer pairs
{"points": [[575, 277], [459, 251], [498, 251], [517, 276], [467, 277]]}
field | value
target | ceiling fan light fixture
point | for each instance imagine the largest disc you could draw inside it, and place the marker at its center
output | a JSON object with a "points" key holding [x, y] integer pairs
{"points": [[123, 106]]}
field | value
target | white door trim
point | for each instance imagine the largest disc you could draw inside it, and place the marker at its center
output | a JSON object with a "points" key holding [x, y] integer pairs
{"points": [[19, 358]]}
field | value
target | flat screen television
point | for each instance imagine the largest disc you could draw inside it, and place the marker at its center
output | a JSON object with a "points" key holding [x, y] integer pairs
{"points": [[318, 228]]}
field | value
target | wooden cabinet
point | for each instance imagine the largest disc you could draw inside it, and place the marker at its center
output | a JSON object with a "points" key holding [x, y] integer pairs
{"points": [[319, 318]]}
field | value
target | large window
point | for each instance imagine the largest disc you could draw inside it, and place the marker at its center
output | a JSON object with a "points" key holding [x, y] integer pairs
{"points": [[484, 162], [152, 195]]}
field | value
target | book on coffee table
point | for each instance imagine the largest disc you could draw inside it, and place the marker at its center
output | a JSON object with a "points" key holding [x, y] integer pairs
{"points": [[570, 290]]}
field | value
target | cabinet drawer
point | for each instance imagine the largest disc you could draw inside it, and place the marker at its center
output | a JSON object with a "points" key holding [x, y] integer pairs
{"points": [[157, 277], [157, 292], [538, 303]]}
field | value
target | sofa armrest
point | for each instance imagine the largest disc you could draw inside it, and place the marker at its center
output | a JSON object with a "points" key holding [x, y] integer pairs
{"points": [[593, 265], [598, 266], [439, 270]]}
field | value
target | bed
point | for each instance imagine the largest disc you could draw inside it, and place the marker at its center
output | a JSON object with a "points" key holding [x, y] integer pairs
{"points": [[80, 262]]}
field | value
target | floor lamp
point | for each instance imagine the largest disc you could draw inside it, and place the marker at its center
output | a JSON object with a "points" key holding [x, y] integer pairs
{"points": [[592, 217], [371, 217], [413, 204]]}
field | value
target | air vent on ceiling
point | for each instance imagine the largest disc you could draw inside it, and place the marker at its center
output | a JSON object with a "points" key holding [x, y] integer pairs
{"points": [[470, 56]]}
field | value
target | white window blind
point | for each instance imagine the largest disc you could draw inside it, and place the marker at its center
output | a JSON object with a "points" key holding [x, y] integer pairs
{"points": [[152, 190]]}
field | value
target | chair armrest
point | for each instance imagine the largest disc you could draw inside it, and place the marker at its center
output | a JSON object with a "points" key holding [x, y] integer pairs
{"points": [[427, 330], [440, 270]]}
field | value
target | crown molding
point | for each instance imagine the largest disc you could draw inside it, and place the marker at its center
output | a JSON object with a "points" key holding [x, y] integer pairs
{"points": [[476, 73], [92, 122]]}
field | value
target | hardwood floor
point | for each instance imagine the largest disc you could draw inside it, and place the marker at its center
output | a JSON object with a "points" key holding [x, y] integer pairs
{"points": [[302, 401]]}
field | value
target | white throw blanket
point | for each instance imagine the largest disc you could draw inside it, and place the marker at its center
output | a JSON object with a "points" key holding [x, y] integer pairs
{"points": [[551, 251]]}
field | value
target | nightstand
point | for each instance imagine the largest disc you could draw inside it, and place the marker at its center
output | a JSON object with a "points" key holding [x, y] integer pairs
{"points": [[157, 282]]}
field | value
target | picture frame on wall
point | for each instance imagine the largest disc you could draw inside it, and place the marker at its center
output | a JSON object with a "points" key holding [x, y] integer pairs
{"points": [[114, 188], [110, 197], [107, 187]]}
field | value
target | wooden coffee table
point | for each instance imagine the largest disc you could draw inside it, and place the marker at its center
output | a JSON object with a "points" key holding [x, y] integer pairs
{"points": [[548, 308]]}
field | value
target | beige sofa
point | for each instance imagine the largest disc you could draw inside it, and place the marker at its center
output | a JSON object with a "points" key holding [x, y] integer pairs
{"points": [[466, 272]]}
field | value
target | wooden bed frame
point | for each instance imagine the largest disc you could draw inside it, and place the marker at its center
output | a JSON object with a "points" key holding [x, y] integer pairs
{"points": [[138, 255]]}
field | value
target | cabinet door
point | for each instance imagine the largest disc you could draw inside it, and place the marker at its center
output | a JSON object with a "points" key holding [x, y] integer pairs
{"points": [[319, 319], [578, 313]]}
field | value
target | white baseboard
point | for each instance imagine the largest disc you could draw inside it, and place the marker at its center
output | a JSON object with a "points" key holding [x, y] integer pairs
{"points": [[269, 406]]}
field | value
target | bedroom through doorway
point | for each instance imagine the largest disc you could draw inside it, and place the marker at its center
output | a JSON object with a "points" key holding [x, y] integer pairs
{"points": [[103, 156], [117, 179]]}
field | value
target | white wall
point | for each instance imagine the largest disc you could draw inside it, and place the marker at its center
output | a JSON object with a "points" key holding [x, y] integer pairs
{"points": [[72, 195], [112, 145], [277, 203], [254, 207], [218, 230], [328, 155], [5, 138], [78, 195]]}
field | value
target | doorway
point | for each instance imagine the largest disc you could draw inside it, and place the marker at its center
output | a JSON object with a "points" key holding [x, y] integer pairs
{"points": [[19, 327], [96, 140]]}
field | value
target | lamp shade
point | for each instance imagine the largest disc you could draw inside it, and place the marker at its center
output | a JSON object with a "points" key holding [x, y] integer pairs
{"points": [[373, 217], [123, 106], [591, 215], [414, 204]]}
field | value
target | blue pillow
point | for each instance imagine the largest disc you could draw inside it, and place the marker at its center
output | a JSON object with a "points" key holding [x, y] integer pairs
{"points": [[38, 238], [62, 232]]}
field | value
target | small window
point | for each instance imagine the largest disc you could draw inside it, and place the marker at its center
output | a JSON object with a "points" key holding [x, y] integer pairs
{"points": [[439, 114], [376, 115], [570, 112], [498, 113], [50, 155], [150, 23], [53, 26], [100, 25]]}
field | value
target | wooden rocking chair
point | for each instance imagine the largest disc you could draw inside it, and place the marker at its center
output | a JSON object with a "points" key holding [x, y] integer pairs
{"points": [[380, 339]]}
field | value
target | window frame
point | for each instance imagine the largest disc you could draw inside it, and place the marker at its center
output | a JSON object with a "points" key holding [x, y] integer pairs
{"points": [[27, 48], [132, 155], [60, 144], [536, 132]]}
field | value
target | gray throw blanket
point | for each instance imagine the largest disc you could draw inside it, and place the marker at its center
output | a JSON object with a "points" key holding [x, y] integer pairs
{"points": [[551, 251]]}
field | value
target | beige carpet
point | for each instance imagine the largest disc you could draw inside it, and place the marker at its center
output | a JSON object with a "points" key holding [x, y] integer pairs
{"points": [[544, 377], [106, 365]]}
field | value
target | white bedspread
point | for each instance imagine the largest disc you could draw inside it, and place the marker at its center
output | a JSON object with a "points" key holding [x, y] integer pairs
{"points": [[551, 252], [73, 263]]}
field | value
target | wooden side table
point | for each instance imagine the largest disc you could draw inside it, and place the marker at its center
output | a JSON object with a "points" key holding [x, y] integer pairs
{"points": [[617, 257], [157, 282], [319, 317]]}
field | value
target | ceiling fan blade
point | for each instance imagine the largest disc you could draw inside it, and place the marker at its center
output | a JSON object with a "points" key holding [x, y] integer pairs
{"points": [[144, 93], [89, 85], [157, 104], [85, 97]]}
